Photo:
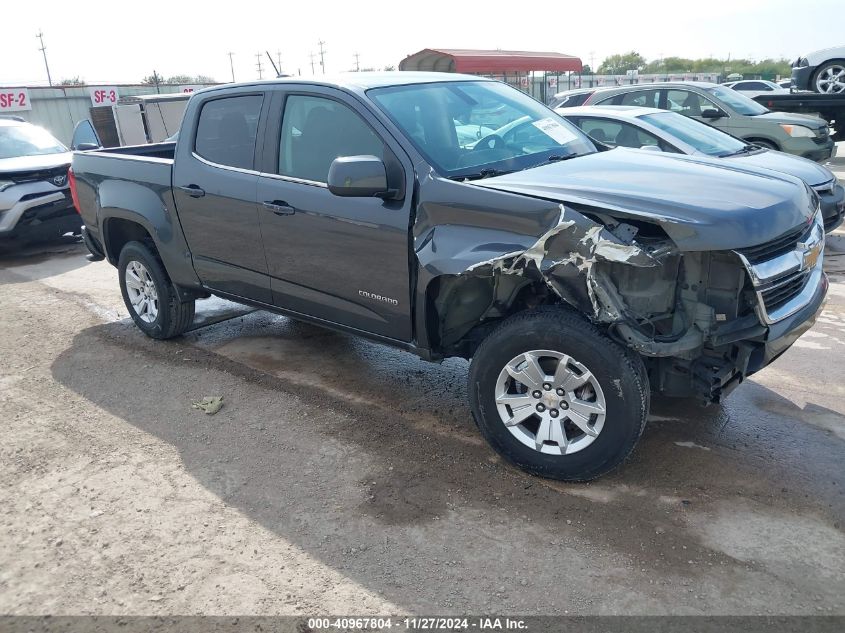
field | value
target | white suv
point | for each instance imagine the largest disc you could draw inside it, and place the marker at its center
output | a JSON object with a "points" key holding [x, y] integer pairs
{"points": [[35, 201]]}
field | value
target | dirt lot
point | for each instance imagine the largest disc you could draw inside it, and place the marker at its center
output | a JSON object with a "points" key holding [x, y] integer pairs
{"points": [[344, 477]]}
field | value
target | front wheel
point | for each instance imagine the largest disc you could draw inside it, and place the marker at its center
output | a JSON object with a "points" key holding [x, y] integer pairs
{"points": [[830, 78], [556, 397], [149, 294]]}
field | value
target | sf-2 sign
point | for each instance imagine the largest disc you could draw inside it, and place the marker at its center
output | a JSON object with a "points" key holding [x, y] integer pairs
{"points": [[103, 96], [14, 100]]}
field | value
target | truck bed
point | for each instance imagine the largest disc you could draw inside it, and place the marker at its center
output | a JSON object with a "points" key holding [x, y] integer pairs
{"points": [[829, 107]]}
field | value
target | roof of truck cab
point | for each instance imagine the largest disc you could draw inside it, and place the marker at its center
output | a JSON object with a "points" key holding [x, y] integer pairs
{"points": [[355, 80]]}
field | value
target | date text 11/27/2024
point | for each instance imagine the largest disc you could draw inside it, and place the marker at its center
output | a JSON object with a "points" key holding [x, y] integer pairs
{"points": [[418, 623]]}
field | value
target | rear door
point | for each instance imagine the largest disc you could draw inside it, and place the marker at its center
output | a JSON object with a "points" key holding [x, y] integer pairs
{"points": [[214, 184], [344, 260]]}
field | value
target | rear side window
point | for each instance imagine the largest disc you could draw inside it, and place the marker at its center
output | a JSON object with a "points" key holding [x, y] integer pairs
{"points": [[227, 129], [642, 98]]}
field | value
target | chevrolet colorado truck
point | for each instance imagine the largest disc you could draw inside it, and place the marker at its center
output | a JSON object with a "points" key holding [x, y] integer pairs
{"points": [[576, 278]]}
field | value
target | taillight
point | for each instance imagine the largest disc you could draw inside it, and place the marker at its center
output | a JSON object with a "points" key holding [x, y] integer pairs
{"points": [[71, 179]]}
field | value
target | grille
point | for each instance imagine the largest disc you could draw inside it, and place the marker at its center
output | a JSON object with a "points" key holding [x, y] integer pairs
{"points": [[785, 291], [776, 247], [36, 175]]}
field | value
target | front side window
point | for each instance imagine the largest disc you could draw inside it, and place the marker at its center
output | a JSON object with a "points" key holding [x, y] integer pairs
{"points": [[227, 129], [27, 140], [689, 103], [739, 102], [476, 128], [315, 131], [705, 139]]}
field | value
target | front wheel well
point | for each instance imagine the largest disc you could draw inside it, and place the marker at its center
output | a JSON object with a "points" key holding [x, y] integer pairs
{"points": [[119, 232], [766, 142], [462, 309]]}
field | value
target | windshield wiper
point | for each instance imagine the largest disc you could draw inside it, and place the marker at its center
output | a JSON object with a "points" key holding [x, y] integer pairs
{"points": [[554, 158], [745, 150], [487, 172]]}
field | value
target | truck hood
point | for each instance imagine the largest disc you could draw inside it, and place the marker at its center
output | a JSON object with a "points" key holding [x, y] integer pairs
{"points": [[34, 163], [790, 118], [702, 203], [810, 172]]}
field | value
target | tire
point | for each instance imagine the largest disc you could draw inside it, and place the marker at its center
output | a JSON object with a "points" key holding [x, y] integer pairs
{"points": [[764, 143], [616, 380], [169, 317], [829, 78]]}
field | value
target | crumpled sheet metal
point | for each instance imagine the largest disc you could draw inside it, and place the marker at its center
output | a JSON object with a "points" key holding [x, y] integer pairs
{"points": [[564, 258]]}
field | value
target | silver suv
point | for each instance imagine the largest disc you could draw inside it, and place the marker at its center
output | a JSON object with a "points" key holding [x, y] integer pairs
{"points": [[729, 111], [35, 201]]}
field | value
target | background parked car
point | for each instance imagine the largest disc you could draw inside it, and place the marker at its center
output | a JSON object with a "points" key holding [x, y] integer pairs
{"points": [[821, 71], [571, 98], [650, 128], [754, 87], [731, 112], [35, 201]]}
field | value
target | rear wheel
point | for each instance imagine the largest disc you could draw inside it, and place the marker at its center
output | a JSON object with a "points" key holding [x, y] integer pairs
{"points": [[149, 294], [556, 397]]}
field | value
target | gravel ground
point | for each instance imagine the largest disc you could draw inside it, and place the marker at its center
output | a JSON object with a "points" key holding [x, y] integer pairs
{"points": [[344, 477]]}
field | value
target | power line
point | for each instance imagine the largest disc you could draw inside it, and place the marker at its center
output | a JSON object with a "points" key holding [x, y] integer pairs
{"points": [[232, 66], [43, 50], [322, 56]]}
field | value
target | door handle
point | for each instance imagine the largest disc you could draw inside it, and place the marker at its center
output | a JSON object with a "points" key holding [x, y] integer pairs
{"points": [[192, 190], [279, 207]]}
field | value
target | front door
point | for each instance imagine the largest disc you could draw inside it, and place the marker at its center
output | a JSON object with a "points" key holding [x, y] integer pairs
{"points": [[214, 184], [344, 260], [692, 104]]}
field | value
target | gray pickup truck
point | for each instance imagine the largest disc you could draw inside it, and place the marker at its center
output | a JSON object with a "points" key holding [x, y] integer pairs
{"points": [[576, 277]]}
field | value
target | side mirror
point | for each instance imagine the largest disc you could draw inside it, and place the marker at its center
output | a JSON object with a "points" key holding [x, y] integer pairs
{"points": [[712, 113], [651, 148], [358, 177], [84, 147]]}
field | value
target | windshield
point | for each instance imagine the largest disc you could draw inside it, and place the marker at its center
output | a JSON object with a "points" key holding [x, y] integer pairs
{"points": [[739, 102], [477, 128], [704, 138], [27, 140]]}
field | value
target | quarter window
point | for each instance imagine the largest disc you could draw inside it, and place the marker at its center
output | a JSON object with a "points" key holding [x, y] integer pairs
{"points": [[227, 129], [315, 131]]}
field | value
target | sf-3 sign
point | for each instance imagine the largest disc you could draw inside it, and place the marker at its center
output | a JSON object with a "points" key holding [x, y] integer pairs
{"points": [[14, 100], [103, 95]]}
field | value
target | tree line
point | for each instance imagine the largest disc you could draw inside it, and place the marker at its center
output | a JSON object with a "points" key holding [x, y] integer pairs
{"points": [[621, 63]]}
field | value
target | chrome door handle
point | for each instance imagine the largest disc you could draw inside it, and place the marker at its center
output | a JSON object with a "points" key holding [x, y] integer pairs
{"points": [[279, 207], [192, 190]]}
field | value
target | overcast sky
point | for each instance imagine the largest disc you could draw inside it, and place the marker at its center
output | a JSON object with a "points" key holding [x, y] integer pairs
{"points": [[121, 42]]}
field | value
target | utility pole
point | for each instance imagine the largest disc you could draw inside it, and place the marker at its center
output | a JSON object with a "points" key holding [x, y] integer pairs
{"points": [[357, 64], [279, 59], [322, 56], [259, 66], [232, 66], [43, 50], [311, 55]]}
